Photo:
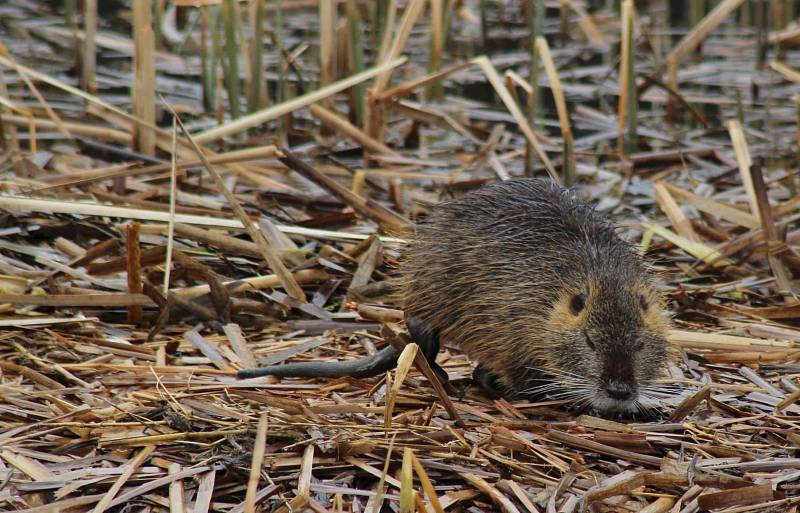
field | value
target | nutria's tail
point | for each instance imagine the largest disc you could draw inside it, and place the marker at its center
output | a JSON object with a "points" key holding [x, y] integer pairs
{"points": [[380, 362]]}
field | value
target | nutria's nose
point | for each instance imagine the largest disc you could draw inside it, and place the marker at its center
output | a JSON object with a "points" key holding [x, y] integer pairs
{"points": [[619, 391]]}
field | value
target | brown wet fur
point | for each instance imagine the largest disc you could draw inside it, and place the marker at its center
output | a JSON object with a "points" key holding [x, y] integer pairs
{"points": [[495, 272]]}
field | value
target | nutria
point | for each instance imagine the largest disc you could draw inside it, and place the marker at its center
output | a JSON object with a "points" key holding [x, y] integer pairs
{"points": [[536, 287]]}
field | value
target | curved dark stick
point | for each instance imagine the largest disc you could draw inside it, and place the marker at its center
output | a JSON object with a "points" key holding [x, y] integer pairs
{"points": [[382, 361]]}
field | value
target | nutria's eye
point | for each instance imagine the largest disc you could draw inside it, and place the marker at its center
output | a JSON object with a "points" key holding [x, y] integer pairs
{"points": [[589, 342], [643, 302], [577, 303]]}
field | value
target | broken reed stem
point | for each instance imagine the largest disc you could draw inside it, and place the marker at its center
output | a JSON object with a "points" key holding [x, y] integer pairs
{"points": [[327, 42], [144, 79], [231, 56], [172, 193], [267, 251], [215, 59], [770, 231], [258, 97], [134, 267], [674, 213], [71, 22], [693, 39], [796, 99], [407, 492], [391, 49], [356, 55], [283, 108], [89, 53], [209, 44], [438, 28], [333, 119], [536, 14], [256, 462], [283, 84], [569, 165], [500, 88], [627, 106], [743, 159], [672, 83]]}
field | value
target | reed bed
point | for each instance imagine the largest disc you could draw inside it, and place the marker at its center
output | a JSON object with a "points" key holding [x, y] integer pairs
{"points": [[192, 187]]}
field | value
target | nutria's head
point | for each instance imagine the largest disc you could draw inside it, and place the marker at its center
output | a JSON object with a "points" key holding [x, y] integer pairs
{"points": [[610, 339]]}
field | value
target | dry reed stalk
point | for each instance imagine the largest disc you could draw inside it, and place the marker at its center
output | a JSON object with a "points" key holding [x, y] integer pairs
{"points": [[23, 73], [438, 33], [676, 216], [373, 210], [327, 42], [276, 111], [270, 256], [536, 15], [756, 494], [407, 492], [620, 484], [672, 83], [628, 98], [427, 486], [144, 77], [788, 73], [339, 123], [771, 237], [173, 178], [356, 59], [230, 9], [386, 13], [256, 463], [404, 363], [697, 249], [134, 270], [131, 467], [374, 113], [502, 502], [266, 281], [209, 36], [587, 25], [9, 141], [713, 207], [94, 175], [513, 108], [692, 40], [73, 128], [89, 47], [82, 208], [796, 100], [205, 491], [258, 93], [176, 490], [690, 339], [569, 166], [745, 162], [408, 88]]}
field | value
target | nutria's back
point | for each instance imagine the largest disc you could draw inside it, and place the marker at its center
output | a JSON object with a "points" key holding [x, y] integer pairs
{"points": [[532, 283]]}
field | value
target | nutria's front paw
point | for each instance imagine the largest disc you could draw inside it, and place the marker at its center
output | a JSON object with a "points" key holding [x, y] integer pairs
{"points": [[425, 337], [486, 381]]}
